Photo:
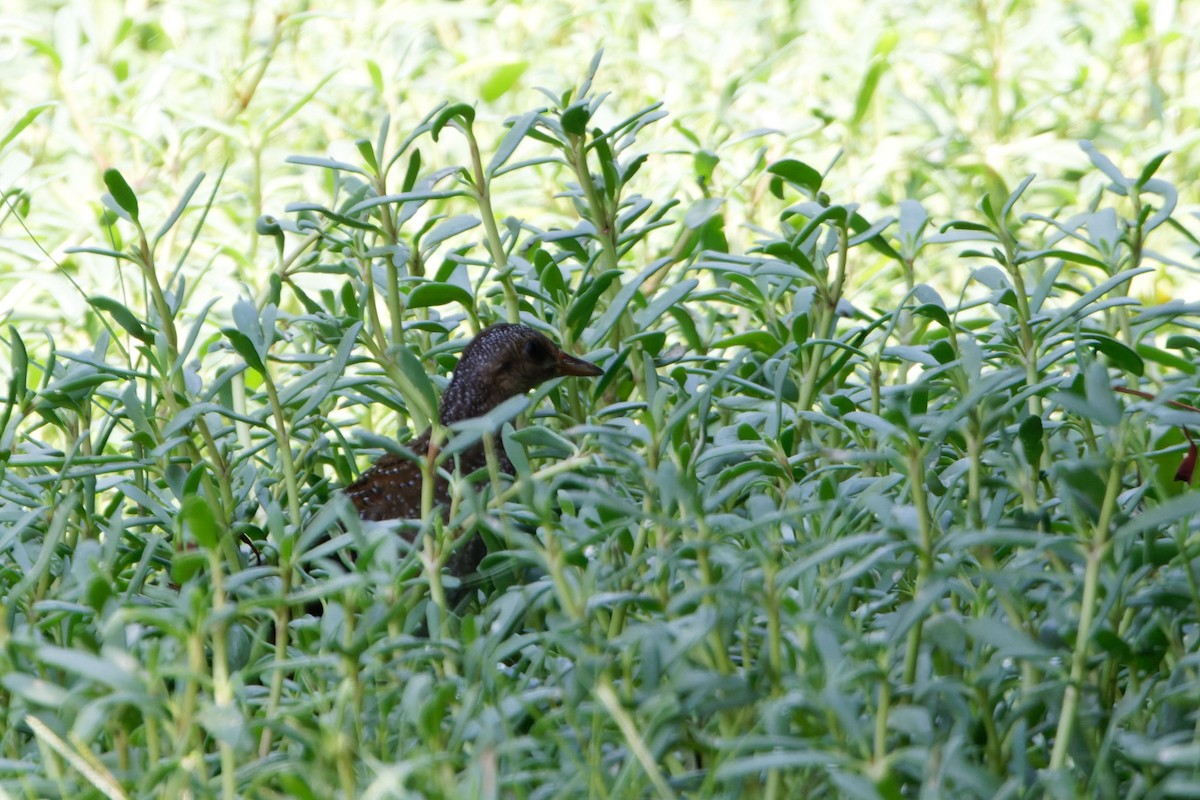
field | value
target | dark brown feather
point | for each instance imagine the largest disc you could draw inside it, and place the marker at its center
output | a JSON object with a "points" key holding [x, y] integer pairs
{"points": [[503, 361]]}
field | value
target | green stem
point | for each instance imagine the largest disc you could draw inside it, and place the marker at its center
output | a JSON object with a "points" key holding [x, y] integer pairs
{"points": [[916, 474], [825, 320], [158, 297], [433, 551], [881, 719], [774, 626], [1087, 613], [720, 650], [171, 371], [1024, 329], [284, 448], [601, 218], [512, 306], [222, 689], [282, 616]]}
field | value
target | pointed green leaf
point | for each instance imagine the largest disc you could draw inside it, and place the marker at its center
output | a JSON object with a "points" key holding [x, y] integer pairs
{"points": [[121, 193], [23, 123], [1151, 168], [1121, 355], [123, 316], [367, 151], [245, 348], [512, 139]]}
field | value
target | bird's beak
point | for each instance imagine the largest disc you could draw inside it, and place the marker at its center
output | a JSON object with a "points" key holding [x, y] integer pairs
{"points": [[576, 367]]}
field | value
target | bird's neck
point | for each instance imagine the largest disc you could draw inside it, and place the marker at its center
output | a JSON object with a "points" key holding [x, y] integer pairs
{"points": [[464, 400]]}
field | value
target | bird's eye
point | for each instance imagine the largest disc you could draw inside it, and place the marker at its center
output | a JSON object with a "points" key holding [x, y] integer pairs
{"points": [[537, 350]]}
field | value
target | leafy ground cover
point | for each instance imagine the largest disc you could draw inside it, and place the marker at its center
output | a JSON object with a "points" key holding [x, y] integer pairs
{"points": [[886, 490]]}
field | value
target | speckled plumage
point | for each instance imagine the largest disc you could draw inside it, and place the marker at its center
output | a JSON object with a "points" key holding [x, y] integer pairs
{"points": [[503, 361]]}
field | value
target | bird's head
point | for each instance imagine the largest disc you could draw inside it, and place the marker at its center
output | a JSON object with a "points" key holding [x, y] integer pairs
{"points": [[504, 361]]}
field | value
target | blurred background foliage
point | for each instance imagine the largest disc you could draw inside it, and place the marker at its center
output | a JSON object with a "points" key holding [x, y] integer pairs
{"points": [[923, 100]]}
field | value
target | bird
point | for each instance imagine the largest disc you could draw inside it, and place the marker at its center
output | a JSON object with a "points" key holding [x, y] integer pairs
{"points": [[501, 362]]}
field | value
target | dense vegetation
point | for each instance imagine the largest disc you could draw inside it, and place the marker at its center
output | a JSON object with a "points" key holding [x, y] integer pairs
{"points": [[886, 490]]}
